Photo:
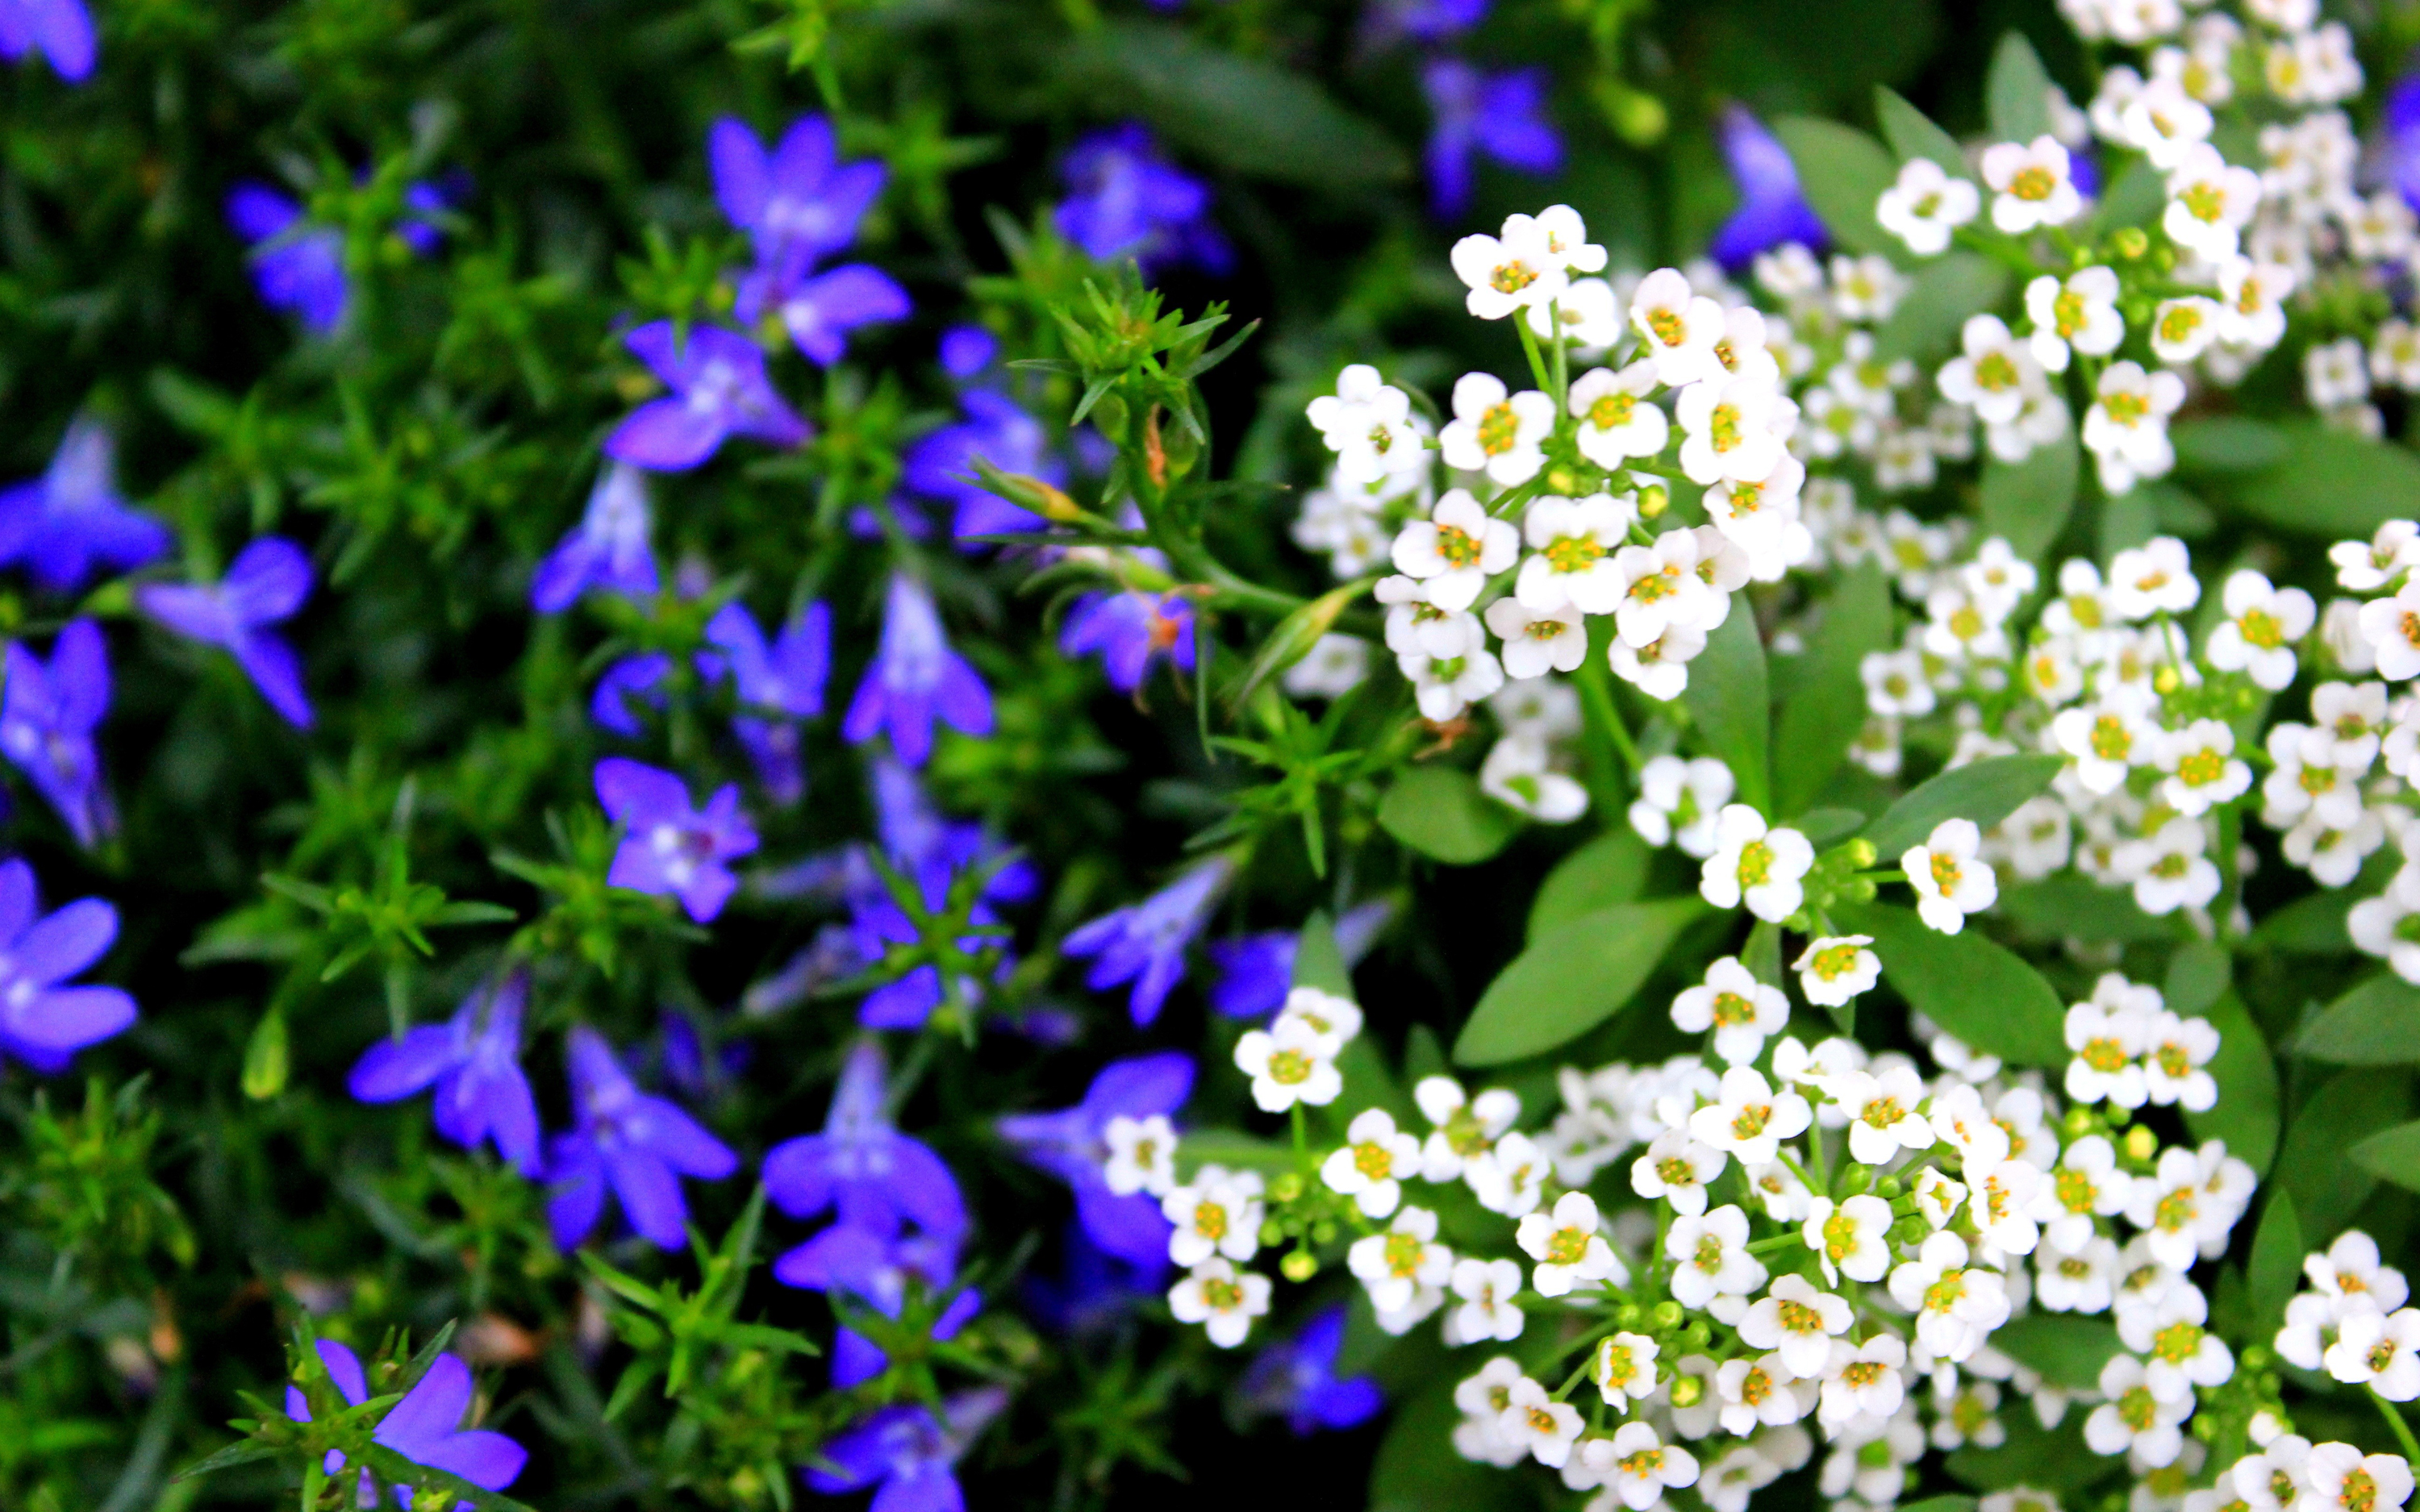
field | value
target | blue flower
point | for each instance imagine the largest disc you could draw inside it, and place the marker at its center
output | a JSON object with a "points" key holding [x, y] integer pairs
{"points": [[1144, 943], [720, 390], [1297, 1377], [298, 265], [1772, 212], [1125, 199], [1130, 629], [669, 847], [1424, 21], [941, 466], [628, 688], [268, 582], [1501, 116], [2400, 126], [908, 1453], [641, 1145], [1256, 971], [423, 1426], [1072, 1145], [799, 205], [61, 30], [474, 1060], [820, 310], [46, 717], [915, 677], [780, 684], [73, 520], [862, 1167], [43, 1023], [967, 350], [875, 1270], [608, 549], [1096, 1288]]}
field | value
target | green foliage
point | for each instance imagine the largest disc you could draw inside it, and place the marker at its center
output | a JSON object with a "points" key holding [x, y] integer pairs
{"points": [[1728, 697], [1986, 792], [1569, 980], [1971, 985], [1440, 812]]}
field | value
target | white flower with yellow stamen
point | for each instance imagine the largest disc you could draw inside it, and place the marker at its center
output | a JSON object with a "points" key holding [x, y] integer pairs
{"points": [[1618, 419], [1372, 1165], [1496, 431], [1394, 1265], [2033, 184], [1837, 967], [1567, 1247], [1950, 878], [1516, 269], [1756, 865], [1289, 1063], [1224, 1300]]}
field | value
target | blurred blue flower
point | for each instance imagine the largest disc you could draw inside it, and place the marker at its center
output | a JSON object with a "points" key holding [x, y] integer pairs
{"points": [[1256, 971], [474, 1060], [422, 1427], [1072, 1145], [73, 520], [265, 586], [1125, 199], [862, 1167], [43, 1023], [780, 683], [820, 310], [908, 1453], [61, 30], [1422, 21], [628, 688], [875, 1270], [1130, 629], [1501, 116], [298, 265], [967, 350], [1296, 1377], [608, 549], [46, 717], [915, 677], [2398, 122], [668, 846], [996, 428], [1096, 1288], [1772, 212], [641, 1145], [798, 205], [720, 390], [1144, 943]]}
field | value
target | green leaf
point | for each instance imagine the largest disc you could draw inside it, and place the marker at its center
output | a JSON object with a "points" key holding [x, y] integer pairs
{"points": [[2393, 1156], [2017, 91], [1317, 961], [1440, 812], [1942, 1503], [2028, 501], [2275, 1266], [2228, 443], [2250, 1109], [1940, 297], [2132, 198], [2199, 972], [1841, 172], [1232, 1148], [1821, 826], [1571, 980], [2376, 1023], [1417, 1469], [2050, 1459], [1728, 697], [1972, 986], [2327, 483], [2072, 906], [2355, 1104], [1609, 870], [264, 1058], [2312, 925], [1986, 792], [1912, 133], [2068, 1350], [1824, 705], [1293, 636]]}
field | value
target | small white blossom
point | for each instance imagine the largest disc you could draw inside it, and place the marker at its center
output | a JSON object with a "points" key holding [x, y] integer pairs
{"points": [[1455, 550], [1677, 1168], [1925, 207], [1567, 1246], [1218, 1213], [1487, 1310], [1288, 1063], [1142, 1155], [1515, 271], [1950, 878], [2033, 185], [1956, 1305], [1837, 967], [2127, 428], [1755, 865], [1463, 1128], [1372, 1164], [1850, 1237], [1797, 1322], [2078, 314], [1618, 421], [1496, 431], [1678, 327], [2133, 1419], [1216, 1294], [1394, 1265], [1741, 1010], [1623, 1368], [1710, 1256]]}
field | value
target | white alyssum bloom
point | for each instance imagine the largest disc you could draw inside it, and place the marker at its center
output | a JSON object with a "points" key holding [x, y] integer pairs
{"points": [[1797, 1322], [2262, 627], [2203, 770], [1414, 625], [1519, 771], [1623, 1368], [1481, 1399], [1741, 1010], [1443, 686], [2209, 201], [1759, 1393], [1865, 289], [1486, 1289], [1455, 550], [1732, 429], [2033, 184], [1660, 669], [1367, 422], [1567, 1246], [2001, 1207], [1679, 326], [2252, 302], [1837, 967], [1643, 1467], [1618, 419], [2132, 1419], [2155, 575], [1749, 1120], [2181, 1352], [1537, 642], [2391, 627], [1956, 1303], [1289, 1062], [2392, 552], [1675, 1168], [1850, 1237], [1925, 207], [1992, 373], [2170, 869], [2338, 1477], [2350, 1274], [2184, 328], [1882, 1109], [1572, 546], [1496, 431], [1218, 1213], [1587, 313], [1546, 1428], [1710, 1256], [1510, 1178], [1332, 1020], [1753, 864], [1937, 1197], [2087, 1184], [2108, 1034], [2078, 314], [2395, 355], [1373, 1163], [1216, 1294], [2335, 373], [1950, 878], [1336, 665], [1142, 1155], [2177, 1055], [1515, 270], [1394, 1265], [1863, 1381], [2174, 1211], [2380, 1351], [2164, 122], [1462, 1127], [2080, 1280], [1662, 589], [2127, 428]]}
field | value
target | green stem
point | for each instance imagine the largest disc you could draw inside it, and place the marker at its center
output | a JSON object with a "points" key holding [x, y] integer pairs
{"points": [[1596, 697], [2395, 1420], [1529, 347]]}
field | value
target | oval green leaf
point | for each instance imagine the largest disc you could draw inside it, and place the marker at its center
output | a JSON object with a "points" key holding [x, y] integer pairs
{"points": [[2068, 1351], [2027, 502], [1970, 985], [1824, 705], [2376, 1023], [1986, 792], [1571, 980], [1912, 133], [2017, 91], [1609, 870], [1440, 812], [1841, 172], [1728, 698], [2250, 1109], [2393, 1156]]}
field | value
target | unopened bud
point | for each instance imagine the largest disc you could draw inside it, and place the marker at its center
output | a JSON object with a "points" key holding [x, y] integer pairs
{"points": [[1026, 492], [1857, 1179], [1653, 499], [1861, 853], [1687, 1391], [1286, 1187], [1323, 1231], [1698, 1335], [1300, 1265], [2139, 1143], [1561, 481], [2166, 681], [1668, 1313], [1109, 418], [1272, 1233], [1889, 1187], [1627, 1315], [2130, 242]]}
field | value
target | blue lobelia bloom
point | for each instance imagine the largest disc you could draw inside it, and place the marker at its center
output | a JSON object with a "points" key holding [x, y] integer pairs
{"points": [[1144, 943], [1072, 1145], [267, 583], [862, 1167], [1501, 116], [72, 520], [628, 688], [908, 1453], [1130, 629], [669, 847], [43, 1023], [298, 265], [799, 205], [2400, 126], [1423, 21], [46, 717], [1125, 199], [424, 1426], [877, 1272], [1256, 971], [1297, 1377], [1094, 1288], [780, 684], [915, 676], [608, 549], [641, 1145], [1772, 212], [967, 350], [61, 30], [474, 1060], [820, 310], [720, 390], [996, 428]]}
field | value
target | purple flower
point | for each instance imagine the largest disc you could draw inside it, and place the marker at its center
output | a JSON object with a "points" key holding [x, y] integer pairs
{"points": [[1125, 199], [1424, 21], [875, 1272], [46, 717], [967, 350], [607, 549], [628, 688], [265, 586], [669, 847], [1772, 212], [641, 1145], [298, 265], [1094, 1288], [61, 30], [914, 677], [1256, 971], [2400, 126], [875, 1178], [719, 390], [997, 429], [1144, 943], [782, 683], [908, 1452], [820, 310], [474, 1059], [1130, 629], [72, 520], [1072, 1145], [43, 1023], [422, 1425], [1297, 1377], [1502, 116], [800, 206]]}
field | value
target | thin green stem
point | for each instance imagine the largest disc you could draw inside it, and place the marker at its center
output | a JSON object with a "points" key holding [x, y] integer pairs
{"points": [[1596, 697], [2394, 1417], [1537, 361]]}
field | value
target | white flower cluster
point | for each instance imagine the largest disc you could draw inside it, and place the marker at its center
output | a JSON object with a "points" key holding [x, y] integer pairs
{"points": [[2354, 1323]]}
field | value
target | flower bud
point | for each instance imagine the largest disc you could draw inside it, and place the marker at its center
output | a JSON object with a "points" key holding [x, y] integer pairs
{"points": [[1653, 499], [1668, 1313], [1323, 1231], [1861, 853], [1286, 1187], [1687, 1391], [1301, 1265], [1697, 1336], [1109, 418], [1627, 1315], [2130, 242], [1272, 1234], [2139, 1143], [1889, 1187]]}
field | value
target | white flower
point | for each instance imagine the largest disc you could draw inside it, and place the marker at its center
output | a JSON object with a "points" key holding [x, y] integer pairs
{"points": [[2335, 373], [1496, 431], [1218, 1213], [2340, 1478], [2079, 314], [1763, 519], [1756, 865], [1572, 546], [1837, 967], [1414, 625], [1659, 669], [1517, 772], [1958, 1117], [1546, 1428], [2169, 869], [2184, 328], [2176, 1052], [2085, 1183], [2378, 1350], [2392, 552], [1758, 1392], [1950, 878], [2108, 1035], [1863, 1381], [1586, 314], [2104, 741], [2001, 1207], [1778, 1190], [1371, 1166], [1740, 1009], [1937, 1197], [2395, 355], [1992, 373], [1710, 1256], [1567, 1246], [2271, 1480], [2164, 122], [2154, 577], [2075, 1281], [1677, 1168], [1867, 287], [1926, 205], [1482, 1399], [1395, 1264], [1456, 549], [1515, 271], [1730, 430], [1463, 1127], [2349, 1274], [1537, 642], [1644, 1466], [2252, 302], [1336, 665], [2262, 625], [1288, 1063], [1734, 1477], [2203, 770], [2033, 185], [2392, 627], [1678, 327], [2209, 200], [1623, 1368], [1445, 685], [1850, 1237], [1896, 683], [1486, 1289], [1142, 1155], [1368, 424], [1750, 1119], [2183, 1354], [1882, 1109], [1334, 1020], [2172, 1208], [1510, 1178], [1617, 421], [1956, 1305], [2127, 428], [2132, 1419], [1216, 1294], [1661, 589], [1797, 1322]]}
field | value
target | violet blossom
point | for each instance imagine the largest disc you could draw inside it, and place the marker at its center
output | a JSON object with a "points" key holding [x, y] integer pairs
{"points": [[915, 676], [909, 1454], [2399, 120], [297, 264], [1296, 1377], [868, 1267], [44, 1021], [1072, 1145], [1125, 199], [61, 30], [1144, 943], [1130, 629], [72, 520], [48, 714], [637, 1145], [778, 684], [941, 467], [264, 587], [1499, 116], [424, 1426], [607, 550], [798, 204], [720, 390], [1256, 971], [861, 1166], [1422, 21], [628, 691], [1772, 212], [473, 1060], [670, 848]]}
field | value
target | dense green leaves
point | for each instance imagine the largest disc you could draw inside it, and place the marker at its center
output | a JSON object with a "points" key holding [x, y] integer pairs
{"points": [[1440, 812], [1609, 870], [1824, 706], [1986, 792], [1972, 986], [2276, 1267], [1571, 979], [2393, 1155], [2328, 1188], [1841, 172], [2376, 1023], [2301, 475], [2027, 502], [1417, 1470], [2249, 1099], [1727, 696], [2067, 1350], [1940, 298]]}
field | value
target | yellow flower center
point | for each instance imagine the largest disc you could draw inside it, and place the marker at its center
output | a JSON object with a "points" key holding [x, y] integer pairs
{"points": [[1611, 409], [1511, 278], [2033, 184], [1499, 429]]}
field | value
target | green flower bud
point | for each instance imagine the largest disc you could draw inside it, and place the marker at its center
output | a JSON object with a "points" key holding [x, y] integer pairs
{"points": [[1301, 1265]]}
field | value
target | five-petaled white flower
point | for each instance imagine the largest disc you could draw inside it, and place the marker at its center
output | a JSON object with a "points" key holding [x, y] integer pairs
{"points": [[1797, 1322], [1567, 1246], [1925, 205], [1455, 550], [1372, 1166], [1949, 875], [1216, 1294], [1741, 1010], [1496, 431], [1396, 1263], [1753, 864], [1618, 419], [1837, 967], [2033, 184]]}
